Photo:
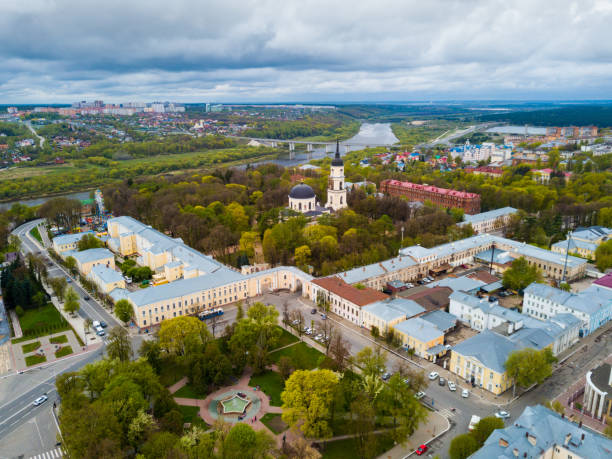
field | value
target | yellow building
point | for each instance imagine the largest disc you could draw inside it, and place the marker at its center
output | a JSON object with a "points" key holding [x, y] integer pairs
{"points": [[426, 339], [87, 259], [481, 360], [67, 242], [106, 279]]}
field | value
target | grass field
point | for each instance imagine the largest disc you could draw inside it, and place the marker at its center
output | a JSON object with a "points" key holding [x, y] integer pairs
{"points": [[188, 391], [41, 322], [36, 234], [191, 415], [63, 352], [301, 355], [35, 359], [274, 422], [58, 339], [341, 449], [171, 372], [30, 347], [286, 338], [271, 383]]}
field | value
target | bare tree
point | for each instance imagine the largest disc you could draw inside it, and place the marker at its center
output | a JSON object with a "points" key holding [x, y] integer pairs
{"points": [[340, 351], [286, 318], [328, 330]]}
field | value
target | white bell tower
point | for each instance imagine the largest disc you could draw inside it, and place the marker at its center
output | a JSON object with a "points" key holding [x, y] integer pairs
{"points": [[336, 193]]}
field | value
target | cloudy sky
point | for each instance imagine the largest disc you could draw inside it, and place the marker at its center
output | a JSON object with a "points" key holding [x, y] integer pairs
{"points": [[304, 50]]}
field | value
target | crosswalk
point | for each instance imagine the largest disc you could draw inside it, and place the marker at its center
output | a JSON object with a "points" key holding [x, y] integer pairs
{"points": [[54, 453], [448, 413]]}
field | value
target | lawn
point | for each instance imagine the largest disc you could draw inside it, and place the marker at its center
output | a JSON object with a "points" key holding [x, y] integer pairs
{"points": [[188, 391], [301, 355], [271, 383], [58, 339], [171, 371], [191, 415], [36, 234], [35, 359], [346, 448], [274, 422], [63, 352], [30, 347], [286, 338], [41, 322]]}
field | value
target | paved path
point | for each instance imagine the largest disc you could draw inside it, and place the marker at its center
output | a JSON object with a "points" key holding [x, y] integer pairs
{"points": [[177, 385], [16, 324]]}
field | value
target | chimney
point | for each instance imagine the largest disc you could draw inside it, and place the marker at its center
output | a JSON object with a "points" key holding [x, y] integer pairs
{"points": [[582, 437], [503, 443], [567, 439], [580, 424], [531, 439]]}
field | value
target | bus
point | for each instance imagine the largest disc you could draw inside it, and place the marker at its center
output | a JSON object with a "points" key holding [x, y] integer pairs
{"points": [[210, 314]]}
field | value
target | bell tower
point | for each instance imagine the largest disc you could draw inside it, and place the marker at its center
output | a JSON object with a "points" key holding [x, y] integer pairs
{"points": [[336, 193]]}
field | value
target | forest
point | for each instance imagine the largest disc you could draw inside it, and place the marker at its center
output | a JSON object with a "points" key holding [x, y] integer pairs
{"points": [[573, 115], [325, 127]]}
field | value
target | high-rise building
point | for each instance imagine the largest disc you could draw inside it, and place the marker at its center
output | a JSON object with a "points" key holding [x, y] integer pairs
{"points": [[336, 193]]}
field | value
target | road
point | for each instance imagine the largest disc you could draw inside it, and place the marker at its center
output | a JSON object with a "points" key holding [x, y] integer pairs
{"points": [[40, 138], [446, 137]]}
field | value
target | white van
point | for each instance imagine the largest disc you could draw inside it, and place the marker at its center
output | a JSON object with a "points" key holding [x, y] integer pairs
{"points": [[95, 324], [475, 420]]}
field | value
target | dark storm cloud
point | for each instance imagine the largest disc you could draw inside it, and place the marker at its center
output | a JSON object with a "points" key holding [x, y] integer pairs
{"points": [[288, 50]]}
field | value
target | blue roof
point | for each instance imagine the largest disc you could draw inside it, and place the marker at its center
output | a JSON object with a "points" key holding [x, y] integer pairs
{"points": [[441, 319], [89, 255], [546, 429], [463, 283], [70, 238], [575, 244], [491, 214], [489, 348], [394, 308], [106, 275], [589, 301], [419, 329]]}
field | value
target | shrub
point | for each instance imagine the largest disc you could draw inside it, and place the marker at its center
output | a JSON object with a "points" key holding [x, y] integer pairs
{"points": [[19, 310]]}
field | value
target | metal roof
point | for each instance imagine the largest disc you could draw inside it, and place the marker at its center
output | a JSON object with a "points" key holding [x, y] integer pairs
{"points": [[89, 255], [420, 329]]}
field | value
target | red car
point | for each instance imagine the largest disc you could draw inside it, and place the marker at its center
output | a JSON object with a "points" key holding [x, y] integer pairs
{"points": [[421, 449]]}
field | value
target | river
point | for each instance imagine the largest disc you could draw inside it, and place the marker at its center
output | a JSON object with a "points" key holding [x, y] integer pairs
{"points": [[374, 133], [369, 133]]}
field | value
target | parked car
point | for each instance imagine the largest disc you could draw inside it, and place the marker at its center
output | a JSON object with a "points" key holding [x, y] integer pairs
{"points": [[421, 450], [68, 280], [86, 298], [103, 324], [433, 375], [452, 386], [502, 415], [324, 316], [441, 381], [313, 311], [295, 322], [386, 376], [465, 393], [95, 324], [40, 400], [419, 395], [429, 278]]}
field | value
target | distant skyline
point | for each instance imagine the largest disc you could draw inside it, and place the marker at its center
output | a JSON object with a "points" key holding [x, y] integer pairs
{"points": [[241, 51]]}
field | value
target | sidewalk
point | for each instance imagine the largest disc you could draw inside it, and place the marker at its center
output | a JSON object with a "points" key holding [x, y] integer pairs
{"points": [[16, 324], [435, 426], [78, 323]]}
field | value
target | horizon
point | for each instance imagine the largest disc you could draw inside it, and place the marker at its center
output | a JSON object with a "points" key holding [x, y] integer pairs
{"points": [[325, 52]]}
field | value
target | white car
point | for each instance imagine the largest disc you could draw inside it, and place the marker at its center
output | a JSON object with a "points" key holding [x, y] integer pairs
{"points": [[451, 386], [419, 395], [502, 415], [465, 393], [40, 400], [433, 375]]}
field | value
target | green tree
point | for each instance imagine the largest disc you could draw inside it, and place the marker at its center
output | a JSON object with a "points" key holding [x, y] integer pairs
{"points": [[58, 285], [140, 428], [243, 442], [71, 264], [119, 345], [89, 241], [362, 425], [302, 257], [151, 351], [124, 310], [529, 366], [485, 427], [71, 301], [307, 398], [371, 361], [521, 274], [603, 256], [247, 243], [462, 446], [177, 334]]}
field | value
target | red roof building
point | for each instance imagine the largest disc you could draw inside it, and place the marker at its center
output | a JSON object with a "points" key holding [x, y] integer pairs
{"points": [[443, 197]]}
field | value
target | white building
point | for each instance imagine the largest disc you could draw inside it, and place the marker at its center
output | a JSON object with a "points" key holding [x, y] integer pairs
{"points": [[302, 198], [592, 306], [492, 220], [336, 193]]}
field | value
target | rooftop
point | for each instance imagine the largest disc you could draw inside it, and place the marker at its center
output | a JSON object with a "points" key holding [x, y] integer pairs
{"points": [[588, 301], [440, 319], [420, 329], [463, 283], [89, 255], [539, 429], [490, 215], [431, 189], [432, 299], [605, 281], [359, 297], [489, 348], [106, 275], [70, 238]]}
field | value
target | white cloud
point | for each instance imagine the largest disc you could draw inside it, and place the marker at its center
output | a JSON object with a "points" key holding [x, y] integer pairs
{"points": [[235, 50]]}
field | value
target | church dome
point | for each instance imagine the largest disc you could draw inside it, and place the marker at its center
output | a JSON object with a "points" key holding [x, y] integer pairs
{"points": [[302, 191]]}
